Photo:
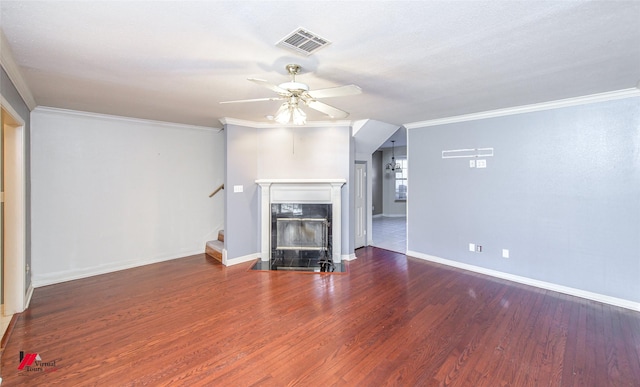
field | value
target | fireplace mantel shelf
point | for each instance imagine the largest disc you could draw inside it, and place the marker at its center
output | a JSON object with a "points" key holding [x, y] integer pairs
{"points": [[303, 181]]}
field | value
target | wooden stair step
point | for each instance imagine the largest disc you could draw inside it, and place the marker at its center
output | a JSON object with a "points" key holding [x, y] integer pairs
{"points": [[214, 249], [221, 235]]}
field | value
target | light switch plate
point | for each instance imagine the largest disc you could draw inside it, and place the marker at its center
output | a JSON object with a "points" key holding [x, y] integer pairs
{"points": [[481, 163], [472, 247], [238, 188]]}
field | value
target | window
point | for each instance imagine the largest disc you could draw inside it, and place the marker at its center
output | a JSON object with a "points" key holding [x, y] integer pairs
{"points": [[401, 179]]}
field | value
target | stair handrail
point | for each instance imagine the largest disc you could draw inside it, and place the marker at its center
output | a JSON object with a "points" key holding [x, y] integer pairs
{"points": [[217, 190]]}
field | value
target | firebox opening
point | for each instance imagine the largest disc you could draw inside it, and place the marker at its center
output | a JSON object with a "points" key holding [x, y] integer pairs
{"points": [[301, 237]]}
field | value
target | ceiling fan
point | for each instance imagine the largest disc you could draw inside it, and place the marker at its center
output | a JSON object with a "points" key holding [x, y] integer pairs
{"points": [[296, 93]]}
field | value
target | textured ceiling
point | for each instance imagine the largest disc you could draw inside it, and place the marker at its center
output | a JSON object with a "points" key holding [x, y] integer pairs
{"points": [[415, 60]]}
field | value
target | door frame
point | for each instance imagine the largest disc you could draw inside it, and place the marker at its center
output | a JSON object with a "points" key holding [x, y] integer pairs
{"points": [[361, 184], [14, 212]]}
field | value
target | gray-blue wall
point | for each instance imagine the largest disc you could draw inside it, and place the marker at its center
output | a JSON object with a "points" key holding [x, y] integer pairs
{"points": [[242, 219], [324, 152], [11, 95], [562, 193]]}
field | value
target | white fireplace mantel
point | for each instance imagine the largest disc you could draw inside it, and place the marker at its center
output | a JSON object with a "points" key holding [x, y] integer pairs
{"points": [[301, 191]]}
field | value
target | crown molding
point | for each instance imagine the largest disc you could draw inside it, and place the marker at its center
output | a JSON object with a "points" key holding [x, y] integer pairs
{"points": [[600, 97], [52, 110], [263, 125], [12, 112], [13, 71]]}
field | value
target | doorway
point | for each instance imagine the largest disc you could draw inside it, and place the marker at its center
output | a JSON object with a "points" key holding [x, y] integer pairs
{"points": [[12, 214], [389, 184], [361, 204]]}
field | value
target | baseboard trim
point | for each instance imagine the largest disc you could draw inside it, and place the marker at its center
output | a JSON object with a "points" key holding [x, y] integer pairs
{"points": [[70, 275], [234, 261], [627, 304], [29, 295], [348, 257], [394, 215], [7, 333]]}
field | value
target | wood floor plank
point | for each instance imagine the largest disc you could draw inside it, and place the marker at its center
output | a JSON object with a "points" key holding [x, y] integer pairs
{"points": [[391, 320]]}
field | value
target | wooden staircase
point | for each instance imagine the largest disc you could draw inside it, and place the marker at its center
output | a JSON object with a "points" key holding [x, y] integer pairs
{"points": [[214, 248]]}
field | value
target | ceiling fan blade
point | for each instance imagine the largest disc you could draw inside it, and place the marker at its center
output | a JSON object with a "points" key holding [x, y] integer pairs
{"points": [[255, 100], [269, 86], [335, 91], [327, 109]]}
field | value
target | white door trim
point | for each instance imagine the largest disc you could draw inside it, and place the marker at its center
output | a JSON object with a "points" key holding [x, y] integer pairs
{"points": [[14, 210], [360, 204]]}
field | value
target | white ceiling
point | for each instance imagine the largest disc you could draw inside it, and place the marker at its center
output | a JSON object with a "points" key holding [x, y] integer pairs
{"points": [[414, 60]]}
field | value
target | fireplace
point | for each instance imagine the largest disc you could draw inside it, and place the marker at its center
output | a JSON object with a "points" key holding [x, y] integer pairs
{"points": [[301, 222], [297, 226], [301, 236]]}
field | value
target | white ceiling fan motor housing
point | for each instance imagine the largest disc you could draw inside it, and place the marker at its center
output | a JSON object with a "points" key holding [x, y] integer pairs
{"points": [[294, 86]]}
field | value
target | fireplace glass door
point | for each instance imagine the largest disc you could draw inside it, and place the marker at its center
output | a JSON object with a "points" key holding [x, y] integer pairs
{"points": [[300, 236]]}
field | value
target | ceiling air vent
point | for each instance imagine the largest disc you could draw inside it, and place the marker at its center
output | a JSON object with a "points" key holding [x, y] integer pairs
{"points": [[303, 41]]}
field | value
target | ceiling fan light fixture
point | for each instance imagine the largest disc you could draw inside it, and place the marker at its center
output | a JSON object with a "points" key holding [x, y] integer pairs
{"points": [[295, 93], [299, 116], [283, 115], [393, 166]]}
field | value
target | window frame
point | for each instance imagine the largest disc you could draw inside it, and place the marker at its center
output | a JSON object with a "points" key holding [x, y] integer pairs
{"points": [[402, 160]]}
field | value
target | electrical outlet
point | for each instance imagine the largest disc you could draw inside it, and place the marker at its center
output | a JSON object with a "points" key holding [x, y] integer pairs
{"points": [[478, 249], [481, 163]]}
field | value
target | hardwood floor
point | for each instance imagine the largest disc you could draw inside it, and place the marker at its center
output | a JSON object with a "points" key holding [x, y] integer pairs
{"points": [[391, 320]]}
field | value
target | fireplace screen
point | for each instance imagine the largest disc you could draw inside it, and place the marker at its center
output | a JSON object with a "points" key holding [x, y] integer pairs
{"points": [[301, 236]]}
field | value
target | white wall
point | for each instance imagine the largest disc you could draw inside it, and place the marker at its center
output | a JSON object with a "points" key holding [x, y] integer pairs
{"points": [[110, 193]]}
